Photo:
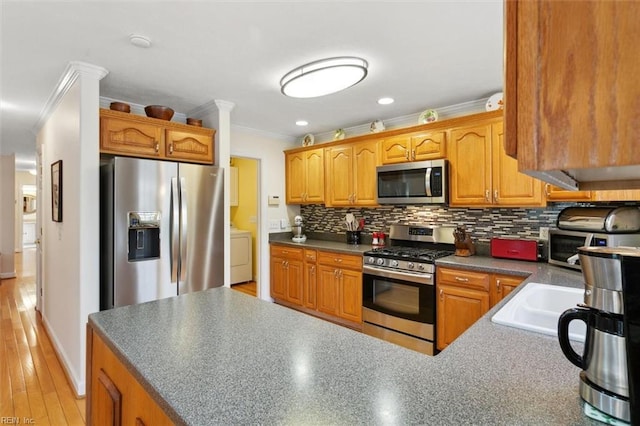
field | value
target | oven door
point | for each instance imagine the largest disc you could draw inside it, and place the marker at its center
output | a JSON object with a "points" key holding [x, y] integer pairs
{"points": [[399, 294]]}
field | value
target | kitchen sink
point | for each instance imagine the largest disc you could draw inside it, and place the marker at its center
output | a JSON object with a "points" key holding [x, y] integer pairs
{"points": [[537, 307]]}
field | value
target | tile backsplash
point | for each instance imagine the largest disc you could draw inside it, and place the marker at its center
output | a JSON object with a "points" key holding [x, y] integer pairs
{"points": [[483, 224]]}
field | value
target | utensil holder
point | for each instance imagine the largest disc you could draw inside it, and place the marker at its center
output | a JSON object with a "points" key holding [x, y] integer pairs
{"points": [[354, 237]]}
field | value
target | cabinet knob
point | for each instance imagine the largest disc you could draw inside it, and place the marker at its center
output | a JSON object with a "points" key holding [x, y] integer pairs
{"points": [[406, 154], [498, 284], [157, 147], [312, 269], [487, 195], [441, 294], [495, 195], [547, 190], [170, 148], [413, 154]]}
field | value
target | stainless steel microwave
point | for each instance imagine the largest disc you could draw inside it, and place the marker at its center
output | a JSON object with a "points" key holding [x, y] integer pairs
{"points": [[563, 244], [420, 182]]}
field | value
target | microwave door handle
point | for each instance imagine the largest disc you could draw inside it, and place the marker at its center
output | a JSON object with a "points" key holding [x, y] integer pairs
{"points": [[427, 181], [588, 240]]}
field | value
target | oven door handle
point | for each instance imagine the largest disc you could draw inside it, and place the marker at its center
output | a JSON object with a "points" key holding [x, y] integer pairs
{"points": [[406, 276]]}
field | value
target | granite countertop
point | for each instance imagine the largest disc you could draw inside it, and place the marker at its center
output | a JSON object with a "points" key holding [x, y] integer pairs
{"points": [[222, 357], [337, 246]]}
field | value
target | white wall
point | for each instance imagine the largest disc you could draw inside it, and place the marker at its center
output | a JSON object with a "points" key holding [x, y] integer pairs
{"points": [[268, 149], [71, 285], [7, 216]]}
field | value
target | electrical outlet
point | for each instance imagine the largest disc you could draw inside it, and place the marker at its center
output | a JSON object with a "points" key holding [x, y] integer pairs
{"points": [[284, 223], [544, 233], [274, 224]]}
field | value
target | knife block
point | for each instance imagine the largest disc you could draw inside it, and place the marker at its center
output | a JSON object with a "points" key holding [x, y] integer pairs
{"points": [[465, 248]]}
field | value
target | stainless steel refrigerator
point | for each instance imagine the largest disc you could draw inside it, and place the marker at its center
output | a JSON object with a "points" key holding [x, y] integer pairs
{"points": [[162, 226]]}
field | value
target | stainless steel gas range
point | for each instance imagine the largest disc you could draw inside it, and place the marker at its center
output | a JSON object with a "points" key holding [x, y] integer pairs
{"points": [[398, 286]]}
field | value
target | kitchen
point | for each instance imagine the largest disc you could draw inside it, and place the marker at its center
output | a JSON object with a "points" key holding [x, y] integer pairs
{"points": [[276, 161]]}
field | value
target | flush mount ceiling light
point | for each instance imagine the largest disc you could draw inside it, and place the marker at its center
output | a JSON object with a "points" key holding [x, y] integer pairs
{"points": [[324, 77], [140, 40], [302, 123], [385, 101]]}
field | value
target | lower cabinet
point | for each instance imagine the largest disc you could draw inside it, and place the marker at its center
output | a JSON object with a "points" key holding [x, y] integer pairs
{"points": [[463, 296], [319, 282], [114, 396]]}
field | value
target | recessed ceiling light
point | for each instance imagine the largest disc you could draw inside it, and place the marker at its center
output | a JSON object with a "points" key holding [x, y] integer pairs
{"points": [[385, 101], [302, 122], [140, 40], [324, 77]]}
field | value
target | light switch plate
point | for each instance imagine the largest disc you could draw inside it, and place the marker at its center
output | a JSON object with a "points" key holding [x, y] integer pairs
{"points": [[284, 223], [544, 233]]}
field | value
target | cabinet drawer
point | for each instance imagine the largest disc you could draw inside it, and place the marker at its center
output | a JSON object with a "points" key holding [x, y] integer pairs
{"points": [[339, 259], [468, 279], [310, 255], [288, 252]]}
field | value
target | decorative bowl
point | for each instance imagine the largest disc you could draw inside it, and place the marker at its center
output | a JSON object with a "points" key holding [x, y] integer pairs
{"points": [[194, 122], [159, 111], [120, 106]]}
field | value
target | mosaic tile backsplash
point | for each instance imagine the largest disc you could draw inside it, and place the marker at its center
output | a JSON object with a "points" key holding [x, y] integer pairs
{"points": [[483, 224]]}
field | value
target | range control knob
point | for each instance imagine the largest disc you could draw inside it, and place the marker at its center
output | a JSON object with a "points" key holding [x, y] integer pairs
{"points": [[410, 265], [380, 261], [421, 266], [371, 259], [394, 263]]}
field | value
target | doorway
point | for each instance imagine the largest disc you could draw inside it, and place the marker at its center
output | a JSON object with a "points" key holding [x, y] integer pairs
{"points": [[244, 215]]}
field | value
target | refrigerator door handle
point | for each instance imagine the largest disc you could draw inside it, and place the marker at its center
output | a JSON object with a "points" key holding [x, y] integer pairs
{"points": [[175, 229], [183, 231]]}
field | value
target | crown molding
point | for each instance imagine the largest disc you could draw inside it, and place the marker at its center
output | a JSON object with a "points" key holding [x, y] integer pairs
{"points": [[72, 72], [263, 133]]}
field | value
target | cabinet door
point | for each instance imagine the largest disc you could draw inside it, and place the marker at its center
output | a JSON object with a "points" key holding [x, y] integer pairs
{"points": [[310, 285], [510, 187], [340, 173], [616, 195], [118, 136], [106, 401], [502, 285], [458, 309], [295, 281], [396, 149], [327, 290], [314, 164], [570, 100], [364, 166], [193, 147], [470, 166], [295, 175], [350, 295], [554, 193], [428, 146], [278, 278]]}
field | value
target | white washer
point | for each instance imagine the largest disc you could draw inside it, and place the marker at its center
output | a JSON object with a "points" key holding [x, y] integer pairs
{"points": [[241, 257]]}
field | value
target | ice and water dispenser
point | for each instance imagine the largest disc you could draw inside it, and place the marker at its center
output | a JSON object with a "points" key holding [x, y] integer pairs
{"points": [[144, 236]]}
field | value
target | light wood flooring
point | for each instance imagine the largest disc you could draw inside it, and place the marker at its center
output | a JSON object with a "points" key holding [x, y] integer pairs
{"points": [[33, 385], [249, 287]]}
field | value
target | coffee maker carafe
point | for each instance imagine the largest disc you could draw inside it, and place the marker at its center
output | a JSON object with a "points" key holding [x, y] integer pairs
{"points": [[609, 380]]}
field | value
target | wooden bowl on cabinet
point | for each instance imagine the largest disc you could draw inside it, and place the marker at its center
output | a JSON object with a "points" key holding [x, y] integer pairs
{"points": [[159, 111], [120, 106]]}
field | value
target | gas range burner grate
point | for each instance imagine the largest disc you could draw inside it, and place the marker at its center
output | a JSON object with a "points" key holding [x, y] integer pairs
{"points": [[410, 253]]}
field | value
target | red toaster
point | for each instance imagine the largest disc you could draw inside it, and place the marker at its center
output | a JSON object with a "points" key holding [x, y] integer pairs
{"points": [[515, 249]]}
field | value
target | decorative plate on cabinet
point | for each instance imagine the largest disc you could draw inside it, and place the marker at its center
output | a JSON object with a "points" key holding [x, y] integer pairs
{"points": [[428, 116], [338, 135], [307, 140], [495, 102]]}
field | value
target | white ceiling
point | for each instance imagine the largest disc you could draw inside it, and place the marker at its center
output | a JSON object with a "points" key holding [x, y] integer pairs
{"points": [[425, 54]]}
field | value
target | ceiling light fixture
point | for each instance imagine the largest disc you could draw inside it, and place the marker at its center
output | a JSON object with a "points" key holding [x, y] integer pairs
{"points": [[385, 101], [324, 77], [140, 40], [302, 123]]}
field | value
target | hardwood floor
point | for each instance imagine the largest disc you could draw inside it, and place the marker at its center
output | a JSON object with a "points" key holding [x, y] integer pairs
{"points": [[248, 288], [33, 385]]}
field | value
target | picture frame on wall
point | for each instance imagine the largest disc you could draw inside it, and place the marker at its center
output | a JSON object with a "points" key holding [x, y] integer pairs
{"points": [[56, 191]]}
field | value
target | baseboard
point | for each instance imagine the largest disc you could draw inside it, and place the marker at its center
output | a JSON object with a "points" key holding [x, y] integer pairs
{"points": [[7, 275], [77, 385]]}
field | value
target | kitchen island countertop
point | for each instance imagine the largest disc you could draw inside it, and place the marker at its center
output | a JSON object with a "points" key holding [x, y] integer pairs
{"points": [[222, 357]]}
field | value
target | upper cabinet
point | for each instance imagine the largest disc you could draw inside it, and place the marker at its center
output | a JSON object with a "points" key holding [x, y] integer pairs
{"points": [[137, 136], [351, 174], [482, 175], [304, 174], [418, 146], [572, 90]]}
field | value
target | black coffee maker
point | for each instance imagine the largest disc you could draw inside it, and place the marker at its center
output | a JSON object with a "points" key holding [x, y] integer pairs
{"points": [[610, 380]]}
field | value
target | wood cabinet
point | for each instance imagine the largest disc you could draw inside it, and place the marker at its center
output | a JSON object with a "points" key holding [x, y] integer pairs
{"points": [[463, 296], [304, 174], [310, 283], [413, 147], [553, 193], [482, 175], [144, 137], [351, 174], [571, 91], [114, 396], [340, 285], [287, 274]]}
